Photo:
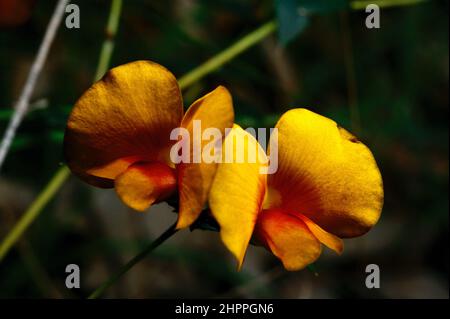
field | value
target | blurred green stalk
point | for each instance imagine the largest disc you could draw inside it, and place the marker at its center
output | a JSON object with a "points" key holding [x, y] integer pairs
{"points": [[228, 54], [108, 43], [209, 66], [63, 173], [158, 241], [33, 211], [191, 77]]}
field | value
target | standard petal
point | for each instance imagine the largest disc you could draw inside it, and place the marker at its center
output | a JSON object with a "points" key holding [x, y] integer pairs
{"points": [[326, 174], [213, 111], [288, 238], [237, 192], [143, 184], [128, 114]]}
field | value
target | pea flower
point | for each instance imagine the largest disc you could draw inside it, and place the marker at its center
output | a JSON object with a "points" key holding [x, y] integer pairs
{"points": [[327, 187], [118, 135]]}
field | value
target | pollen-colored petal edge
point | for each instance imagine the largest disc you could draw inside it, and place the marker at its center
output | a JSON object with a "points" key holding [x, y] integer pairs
{"points": [[214, 111]]}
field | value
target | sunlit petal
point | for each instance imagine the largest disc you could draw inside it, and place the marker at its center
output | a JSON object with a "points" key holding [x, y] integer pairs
{"points": [[214, 110], [129, 113], [326, 174], [237, 193]]}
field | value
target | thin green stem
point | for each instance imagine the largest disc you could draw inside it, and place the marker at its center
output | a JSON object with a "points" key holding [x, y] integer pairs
{"points": [[108, 43], [352, 87], [228, 54], [209, 66], [63, 173], [362, 4], [158, 241], [33, 211]]}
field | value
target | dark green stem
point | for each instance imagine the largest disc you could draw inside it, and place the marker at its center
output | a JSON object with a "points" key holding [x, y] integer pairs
{"points": [[158, 241]]}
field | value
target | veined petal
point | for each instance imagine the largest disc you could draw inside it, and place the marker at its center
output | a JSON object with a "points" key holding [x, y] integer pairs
{"points": [[326, 174], [238, 191], [213, 111], [129, 113], [143, 184], [288, 238]]}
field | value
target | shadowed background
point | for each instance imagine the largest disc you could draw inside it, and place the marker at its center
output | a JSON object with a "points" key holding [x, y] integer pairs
{"points": [[389, 86]]}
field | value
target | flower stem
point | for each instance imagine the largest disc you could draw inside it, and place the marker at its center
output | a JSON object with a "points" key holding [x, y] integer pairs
{"points": [[352, 84], [211, 65], [63, 173], [228, 54], [158, 241], [22, 106], [108, 43], [33, 211]]}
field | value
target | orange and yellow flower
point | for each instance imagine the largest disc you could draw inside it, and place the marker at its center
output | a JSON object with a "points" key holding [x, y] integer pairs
{"points": [[327, 187], [118, 135]]}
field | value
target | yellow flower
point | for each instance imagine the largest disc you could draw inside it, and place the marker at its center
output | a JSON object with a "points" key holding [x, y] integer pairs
{"points": [[327, 187], [118, 135]]}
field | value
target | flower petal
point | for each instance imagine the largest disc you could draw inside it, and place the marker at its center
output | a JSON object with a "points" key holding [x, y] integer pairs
{"points": [[288, 238], [143, 184], [329, 240], [237, 192], [214, 110], [326, 174], [128, 114]]}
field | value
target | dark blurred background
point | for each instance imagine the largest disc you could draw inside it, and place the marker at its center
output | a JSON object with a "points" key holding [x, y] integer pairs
{"points": [[395, 79]]}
